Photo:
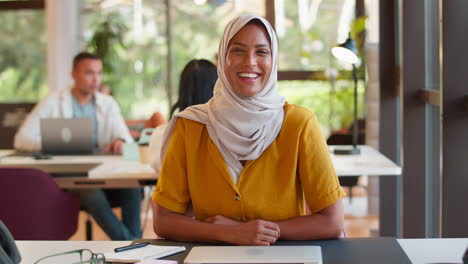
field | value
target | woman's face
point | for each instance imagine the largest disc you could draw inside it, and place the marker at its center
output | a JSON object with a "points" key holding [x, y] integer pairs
{"points": [[249, 60]]}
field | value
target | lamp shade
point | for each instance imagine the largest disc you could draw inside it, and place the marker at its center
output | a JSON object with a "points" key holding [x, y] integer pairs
{"points": [[347, 51]]}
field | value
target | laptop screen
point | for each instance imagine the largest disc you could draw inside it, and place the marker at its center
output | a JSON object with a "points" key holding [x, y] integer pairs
{"points": [[67, 136]]}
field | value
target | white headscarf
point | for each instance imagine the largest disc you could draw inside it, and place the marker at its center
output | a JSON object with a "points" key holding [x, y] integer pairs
{"points": [[241, 127]]}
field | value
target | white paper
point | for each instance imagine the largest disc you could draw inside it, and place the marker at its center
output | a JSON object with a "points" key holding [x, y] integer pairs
{"points": [[157, 262], [121, 169]]}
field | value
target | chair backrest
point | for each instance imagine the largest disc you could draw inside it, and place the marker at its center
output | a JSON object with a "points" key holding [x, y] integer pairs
{"points": [[11, 117], [345, 139], [33, 207], [9, 253]]}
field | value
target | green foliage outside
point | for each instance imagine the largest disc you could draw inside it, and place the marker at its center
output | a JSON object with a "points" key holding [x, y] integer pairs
{"points": [[334, 109], [137, 71], [309, 49], [23, 67], [135, 62]]}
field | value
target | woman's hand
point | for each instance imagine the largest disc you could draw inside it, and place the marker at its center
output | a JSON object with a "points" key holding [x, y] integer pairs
{"points": [[254, 233], [215, 229]]}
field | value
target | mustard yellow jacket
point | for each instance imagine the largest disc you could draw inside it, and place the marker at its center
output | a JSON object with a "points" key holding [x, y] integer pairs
{"points": [[295, 166]]}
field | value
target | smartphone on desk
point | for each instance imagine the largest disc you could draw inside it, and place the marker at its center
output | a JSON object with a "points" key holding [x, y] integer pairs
{"points": [[42, 156], [35, 155], [9, 253]]}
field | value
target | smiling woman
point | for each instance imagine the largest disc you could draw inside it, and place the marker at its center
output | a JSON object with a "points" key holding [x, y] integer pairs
{"points": [[249, 60], [246, 162]]}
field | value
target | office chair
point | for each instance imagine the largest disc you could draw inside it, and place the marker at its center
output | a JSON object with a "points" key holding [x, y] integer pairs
{"points": [[33, 207]]}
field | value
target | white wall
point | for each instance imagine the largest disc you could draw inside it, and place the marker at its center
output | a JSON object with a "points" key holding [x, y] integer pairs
{"points": [[62, 41]]}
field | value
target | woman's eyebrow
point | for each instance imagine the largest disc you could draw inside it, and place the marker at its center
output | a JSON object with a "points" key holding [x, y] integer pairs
{"points": [[238, 44], [256, 46]]}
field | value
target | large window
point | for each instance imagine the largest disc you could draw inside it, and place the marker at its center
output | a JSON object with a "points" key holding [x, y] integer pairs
{"points": [[140, 64], [330, 101], [308, 29], [135, 64], [23, 67]]}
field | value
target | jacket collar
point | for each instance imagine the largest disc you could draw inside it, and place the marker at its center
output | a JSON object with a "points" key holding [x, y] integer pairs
{"points": [[66, 101]]}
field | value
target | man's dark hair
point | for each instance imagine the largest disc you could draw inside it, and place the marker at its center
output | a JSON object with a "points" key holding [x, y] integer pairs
{"points": [[83, 56]]}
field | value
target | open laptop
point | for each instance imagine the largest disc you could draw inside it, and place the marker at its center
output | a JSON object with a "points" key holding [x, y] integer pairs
{"points": [[67, 136], [254, 254]]}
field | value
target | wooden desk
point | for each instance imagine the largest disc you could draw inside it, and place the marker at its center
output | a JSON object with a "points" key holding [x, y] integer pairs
{"points": [[88, 171], [447, 250]]}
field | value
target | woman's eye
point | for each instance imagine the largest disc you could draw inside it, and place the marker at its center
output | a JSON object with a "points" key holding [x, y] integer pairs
{"points": [[236, 49], [263, 52]]}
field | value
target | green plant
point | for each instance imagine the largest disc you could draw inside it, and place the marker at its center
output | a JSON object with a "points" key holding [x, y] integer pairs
{"points": [[23, 71], [106, 39], [315, 96], [358, 27]]}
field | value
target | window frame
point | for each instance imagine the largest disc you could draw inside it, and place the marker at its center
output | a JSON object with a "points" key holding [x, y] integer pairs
{"points": [[15, 5]]}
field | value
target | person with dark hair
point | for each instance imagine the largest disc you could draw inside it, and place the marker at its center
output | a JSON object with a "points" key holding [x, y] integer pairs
{"points": [[195, 87], [83, 100], [246, 163], [196, 84], [84, 56]]}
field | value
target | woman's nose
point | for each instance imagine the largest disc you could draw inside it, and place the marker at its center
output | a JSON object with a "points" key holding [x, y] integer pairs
{"points": [[250, 59]]}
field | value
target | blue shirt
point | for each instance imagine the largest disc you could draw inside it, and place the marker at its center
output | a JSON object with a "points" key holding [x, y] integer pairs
{"points": [[86, 111]]}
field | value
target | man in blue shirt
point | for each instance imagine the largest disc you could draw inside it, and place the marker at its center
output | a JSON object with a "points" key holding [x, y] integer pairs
{"points": [[110, 132]]}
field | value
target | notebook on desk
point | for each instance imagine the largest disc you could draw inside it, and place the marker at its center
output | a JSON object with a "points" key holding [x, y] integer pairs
{"points": [[254, 254], [67, 136]]}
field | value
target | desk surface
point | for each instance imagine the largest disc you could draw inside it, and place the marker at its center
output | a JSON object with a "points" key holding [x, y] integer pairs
{"points": [[334, 251], [368, 162], [31, 251], [447, 250], [113, 172], [87, 171], [59, 164]]}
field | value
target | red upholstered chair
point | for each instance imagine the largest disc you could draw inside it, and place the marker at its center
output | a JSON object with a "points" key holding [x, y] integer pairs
{"points": [[33, 207]]}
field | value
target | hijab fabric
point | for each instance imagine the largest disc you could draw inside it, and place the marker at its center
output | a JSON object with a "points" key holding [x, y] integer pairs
{"points": [[241, 127]]}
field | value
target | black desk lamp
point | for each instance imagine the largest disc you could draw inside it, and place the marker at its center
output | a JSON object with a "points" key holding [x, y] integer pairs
{"points": [[348, 52]]}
